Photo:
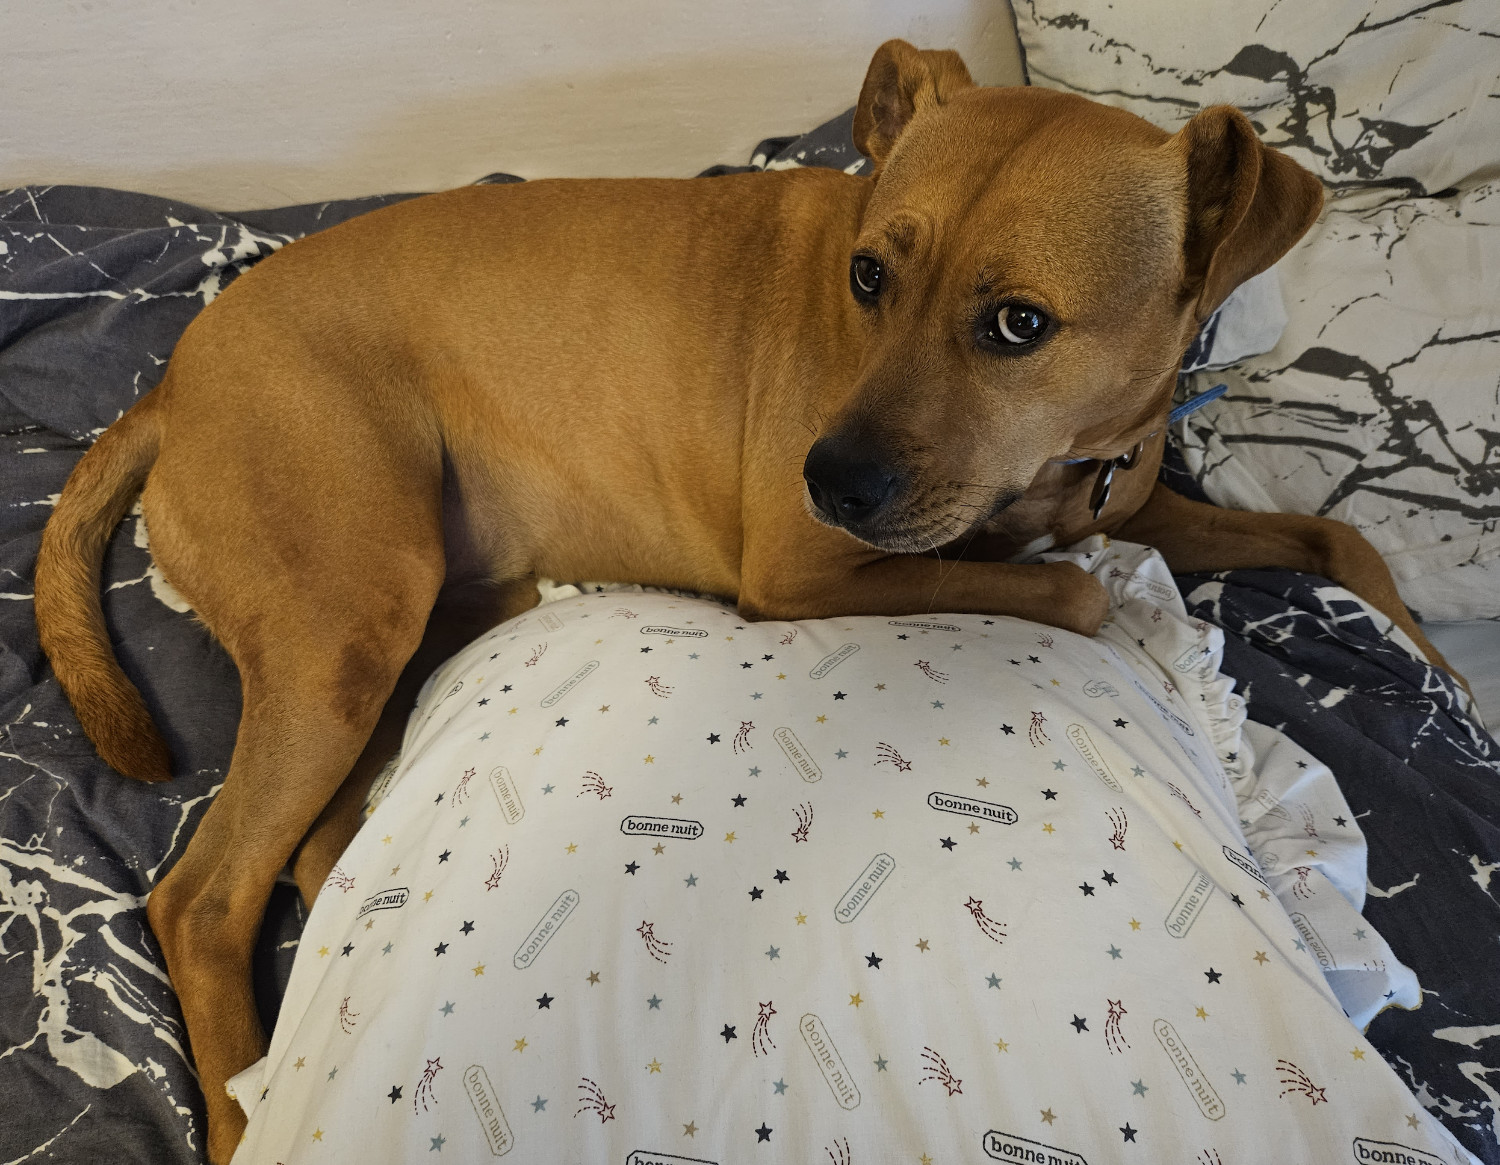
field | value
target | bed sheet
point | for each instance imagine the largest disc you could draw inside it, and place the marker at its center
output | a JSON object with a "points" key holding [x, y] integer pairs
{"points": [[95, 287]]}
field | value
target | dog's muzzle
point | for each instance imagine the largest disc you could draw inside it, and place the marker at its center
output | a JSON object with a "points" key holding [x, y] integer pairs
{"points": [[848, 485]]}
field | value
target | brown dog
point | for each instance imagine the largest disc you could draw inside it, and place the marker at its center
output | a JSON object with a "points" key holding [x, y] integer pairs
{"points": [[708, 384]]}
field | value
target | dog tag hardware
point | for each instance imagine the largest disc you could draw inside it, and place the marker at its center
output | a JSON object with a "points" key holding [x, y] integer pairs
{"points": [[1099, 498]]}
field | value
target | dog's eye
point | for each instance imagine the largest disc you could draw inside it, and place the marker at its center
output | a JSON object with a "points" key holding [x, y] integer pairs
{"points": [[865, 274], [1016, 324]]}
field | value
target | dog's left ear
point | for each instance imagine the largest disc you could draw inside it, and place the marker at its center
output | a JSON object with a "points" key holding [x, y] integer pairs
{"points": [[1246, 204], [901, 81]]}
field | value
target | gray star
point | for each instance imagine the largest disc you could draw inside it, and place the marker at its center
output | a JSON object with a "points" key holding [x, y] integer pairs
{"points": [[334, 1072], [755, 695], [841, 754], [1059, 765], [1139, 1087], [1239, 1077], [1114, 952], [880, 1062], [937, 703], [462, 822], [993, 980], [385, 950], [1359, 933], [755, 772], [1137, 771], [437, 1142], [1299, 944], [486, 736], [780, 1087], [547, 788], [691, 880], [447, 1008], [653, 720], [654, 1003], [773, 953], [1014, 864], [694, 655], [538, 1105]]}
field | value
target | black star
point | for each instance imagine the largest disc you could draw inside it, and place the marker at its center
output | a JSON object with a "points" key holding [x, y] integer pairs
{"points": [[838, 695], [1088, 891], [713, 738], [495, 656], [739, 800], [644, 650], [763, 1133], [1110, 878], [989, 622], [440, 949], [948, 843], [1212, 975], [507, 686], [1080, 1025], [1034, 658], [394, 1093], [1120, 723], [348, 947], [1340, 822], [1234, 756], [1237, 900], [1007, 729], [544, 1001], [1129, 1132], [438, 799], [1050, 794], [1140, 643], [561, 721], [783, 876], [768, 657], [747, 663], [1301, 764], [901, 637], [873, 960], [755, 893], [1016, 662], [728, 1033], [467, 927], [445, 855], [632, 868], [484, 701]]}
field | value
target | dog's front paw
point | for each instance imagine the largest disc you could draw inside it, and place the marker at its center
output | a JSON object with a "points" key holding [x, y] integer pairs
{"points": [[1080, 600]]}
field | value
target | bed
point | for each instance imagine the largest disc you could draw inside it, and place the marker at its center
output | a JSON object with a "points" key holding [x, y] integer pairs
{"points": [[96, 285]]}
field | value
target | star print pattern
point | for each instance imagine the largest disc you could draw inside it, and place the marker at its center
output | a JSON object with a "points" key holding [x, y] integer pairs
{"points": [[818, 910]]}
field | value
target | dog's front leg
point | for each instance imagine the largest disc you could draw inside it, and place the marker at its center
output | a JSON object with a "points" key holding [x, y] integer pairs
{"points": [[862, 581], [1194, 537]]}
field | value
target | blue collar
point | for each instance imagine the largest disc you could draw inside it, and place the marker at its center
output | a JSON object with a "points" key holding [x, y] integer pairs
{"points": [[1192, 405]]}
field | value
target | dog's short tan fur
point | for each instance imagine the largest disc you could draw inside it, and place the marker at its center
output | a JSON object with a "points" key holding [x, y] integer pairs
{"points": [[622, 380]]}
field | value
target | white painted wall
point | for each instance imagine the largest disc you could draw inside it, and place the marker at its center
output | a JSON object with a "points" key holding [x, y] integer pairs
{"points": [[235, 105]]}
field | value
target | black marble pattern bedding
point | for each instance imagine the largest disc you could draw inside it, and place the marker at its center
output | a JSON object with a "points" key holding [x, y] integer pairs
{"points": [[95, 287]]}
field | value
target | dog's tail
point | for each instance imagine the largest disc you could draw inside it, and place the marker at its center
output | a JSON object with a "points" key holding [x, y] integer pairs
{"points": [[69, 616]]}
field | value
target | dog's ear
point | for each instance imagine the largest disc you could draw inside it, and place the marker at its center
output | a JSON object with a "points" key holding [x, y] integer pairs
{"points": [[902, 80], [1246, 204]]}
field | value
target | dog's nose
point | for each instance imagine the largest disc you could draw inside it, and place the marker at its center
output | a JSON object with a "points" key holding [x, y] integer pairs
{"points": [[846, 484]]}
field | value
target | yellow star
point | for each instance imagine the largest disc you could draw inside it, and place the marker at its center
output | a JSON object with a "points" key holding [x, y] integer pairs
{"points": [[593, 978], [973, 827], [781, 676], [521, 1044], [395, 870], [597, 642], [880, 687], [1357, 1053], [650, 760], [924, 1159], [537, 751], [1056, 683], [1260, 957], [942, 740], [386, 840], [1201, 1014], [1312, 853], [317, 1134], [690, 1129], [877, 813], [604, 707], [427, 897], [658, 848], [1001, 1046], [1047, 827], [1178, 844], [729, 837], [982, 782], [1048, 1116], [855, 1000], [513, 711], [922, 945], [822, 719], [369, 924], [1411, 1119], [676, 798], [322, 952], [301, 1062], [479, 970], [654, 1066], [801, 920], [729, 639], [572, 847], [1264, 896]]}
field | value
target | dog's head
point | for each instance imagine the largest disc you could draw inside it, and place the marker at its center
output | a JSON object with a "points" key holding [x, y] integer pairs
{"points": [[1029, 271]]}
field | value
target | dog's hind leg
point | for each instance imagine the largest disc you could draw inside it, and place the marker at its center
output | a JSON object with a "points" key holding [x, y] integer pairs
{"points": [[463, 613], [1194, 537]]}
